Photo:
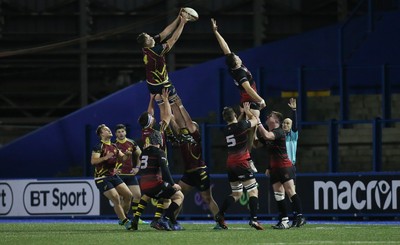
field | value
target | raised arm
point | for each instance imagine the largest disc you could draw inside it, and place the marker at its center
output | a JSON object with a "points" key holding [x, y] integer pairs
{"points": [[242, 114], [177, 33], [170, 28], [186, 116], [251, 117], [222, 43], [167, 113], [166, 174], [173, 125], [150, 107], [253, 94], [267, 135], [292, 104]]}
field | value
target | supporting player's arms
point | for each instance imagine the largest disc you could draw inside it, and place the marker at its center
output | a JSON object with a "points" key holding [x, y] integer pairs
{"points": [[166, 175]]}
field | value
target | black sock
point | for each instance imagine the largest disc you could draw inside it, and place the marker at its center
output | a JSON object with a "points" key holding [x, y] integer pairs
{"points": [[229, 200], [296, 204], [282, 208], [170, 212], [253, 205]]}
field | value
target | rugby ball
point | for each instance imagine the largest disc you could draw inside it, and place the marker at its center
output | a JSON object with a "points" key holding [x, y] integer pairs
{"points": [[192, 14]]}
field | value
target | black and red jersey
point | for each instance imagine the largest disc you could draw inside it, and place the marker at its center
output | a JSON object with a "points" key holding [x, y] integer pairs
{"points": [[236, 138], [277, 150], [241, 75], [153, 160]]}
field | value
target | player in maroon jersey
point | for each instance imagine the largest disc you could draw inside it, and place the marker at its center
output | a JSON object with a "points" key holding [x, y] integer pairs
{"points": [[238, 167], [128, 169], [148, 123], [105, 156], [154, 50], [196, 174], [280, 170]]}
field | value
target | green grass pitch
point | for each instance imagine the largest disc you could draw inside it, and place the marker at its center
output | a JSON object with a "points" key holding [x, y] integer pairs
{"points": [[102, 234]]}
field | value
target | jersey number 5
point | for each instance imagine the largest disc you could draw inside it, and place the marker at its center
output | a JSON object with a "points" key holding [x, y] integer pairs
{"points": [[230, 139]]}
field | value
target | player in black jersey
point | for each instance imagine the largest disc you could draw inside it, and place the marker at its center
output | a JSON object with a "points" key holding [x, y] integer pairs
{"points": [[148, 124], [239, 174], [281, 170], [244, 81], [156, 182]]}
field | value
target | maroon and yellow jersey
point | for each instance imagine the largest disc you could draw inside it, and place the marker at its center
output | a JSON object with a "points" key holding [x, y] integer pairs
{"points": [[241, 75], [277, 150], [192, 153], [107, 167], [236, 138], [151, 160], [154, 61], [126, 145], [146, 132]]}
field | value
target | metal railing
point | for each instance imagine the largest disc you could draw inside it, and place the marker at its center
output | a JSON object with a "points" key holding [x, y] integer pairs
{"points": [[210, 143]]}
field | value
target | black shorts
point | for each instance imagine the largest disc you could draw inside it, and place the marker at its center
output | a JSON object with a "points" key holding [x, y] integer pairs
{"points": [[282, 174], [157, 89], [129, 179], [239, 173], [163, 190], [108, 183], [199, 179]]}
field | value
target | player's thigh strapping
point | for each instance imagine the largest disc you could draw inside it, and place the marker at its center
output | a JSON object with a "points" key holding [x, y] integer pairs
{"points": [[199, 178]]}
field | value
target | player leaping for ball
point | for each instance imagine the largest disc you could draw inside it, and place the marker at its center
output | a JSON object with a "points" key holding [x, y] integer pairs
{"points": [[154, 51], [243, 79]]}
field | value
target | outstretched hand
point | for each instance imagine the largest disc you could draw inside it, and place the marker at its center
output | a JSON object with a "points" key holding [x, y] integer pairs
{"points": [[165, 94], [246, 107], [184, 17], [177, 187], [292, 103], [214, 24], [262, 104]]}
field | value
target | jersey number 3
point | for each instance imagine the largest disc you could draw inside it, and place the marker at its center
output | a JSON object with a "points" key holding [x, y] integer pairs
{"points": [[143, 162]]}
